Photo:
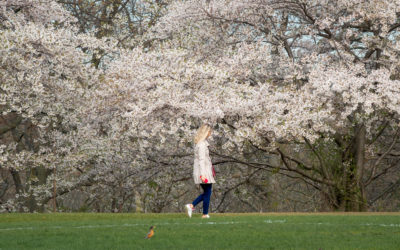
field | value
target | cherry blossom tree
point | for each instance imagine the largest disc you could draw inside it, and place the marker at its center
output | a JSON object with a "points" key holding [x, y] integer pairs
{"points": [[44, 79], [318, 77], [60, 134]]}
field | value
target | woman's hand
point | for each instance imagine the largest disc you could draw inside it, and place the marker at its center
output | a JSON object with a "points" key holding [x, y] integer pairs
{"points": [[203, 179]]}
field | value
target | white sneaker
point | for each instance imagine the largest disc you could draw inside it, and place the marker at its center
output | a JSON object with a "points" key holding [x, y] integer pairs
{"points": [[188, 210], [205, 216]]}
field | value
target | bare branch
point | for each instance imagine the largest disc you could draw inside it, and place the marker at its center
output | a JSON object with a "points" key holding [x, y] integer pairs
{"points": [[374, 167]]}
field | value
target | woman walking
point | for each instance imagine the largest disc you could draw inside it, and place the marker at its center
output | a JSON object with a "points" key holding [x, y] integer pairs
{"points": [[203, 172]]}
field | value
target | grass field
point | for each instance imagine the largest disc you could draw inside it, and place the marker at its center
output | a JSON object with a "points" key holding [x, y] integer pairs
{"points": [[221, 231]]}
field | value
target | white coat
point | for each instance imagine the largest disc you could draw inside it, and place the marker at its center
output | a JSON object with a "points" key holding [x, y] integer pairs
{"points": [[202, 163]]}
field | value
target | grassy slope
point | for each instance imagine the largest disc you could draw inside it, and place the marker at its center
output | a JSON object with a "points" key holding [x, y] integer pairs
{"points": [[222, 231]]}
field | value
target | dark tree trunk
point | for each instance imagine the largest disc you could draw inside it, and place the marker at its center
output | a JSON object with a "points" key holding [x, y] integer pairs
{"points": [[350, 190]]}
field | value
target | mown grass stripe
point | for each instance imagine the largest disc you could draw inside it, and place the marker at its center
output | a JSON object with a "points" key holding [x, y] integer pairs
{"points": [[200, 223]]}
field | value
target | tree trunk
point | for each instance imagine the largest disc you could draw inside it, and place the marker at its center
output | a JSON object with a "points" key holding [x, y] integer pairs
{"points": [[359, 162], [350, 191], [17, 181], [41, 173]]}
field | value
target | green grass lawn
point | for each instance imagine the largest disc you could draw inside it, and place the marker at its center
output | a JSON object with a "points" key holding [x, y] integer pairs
{"points": [[221, 231]]}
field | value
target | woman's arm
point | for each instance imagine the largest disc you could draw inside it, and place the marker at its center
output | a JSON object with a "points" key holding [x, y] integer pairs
{"points": [[202, 158], [205, 171]]}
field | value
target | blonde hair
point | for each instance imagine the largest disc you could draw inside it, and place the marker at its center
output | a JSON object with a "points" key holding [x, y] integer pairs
{"points": [[202, 133]]}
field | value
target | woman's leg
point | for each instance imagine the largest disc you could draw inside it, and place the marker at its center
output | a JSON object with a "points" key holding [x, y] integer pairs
{"points": [[206, 197], [199, 198]]}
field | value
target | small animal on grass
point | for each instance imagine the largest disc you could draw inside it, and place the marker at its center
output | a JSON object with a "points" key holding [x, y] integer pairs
{"points": [[150, 233]]}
